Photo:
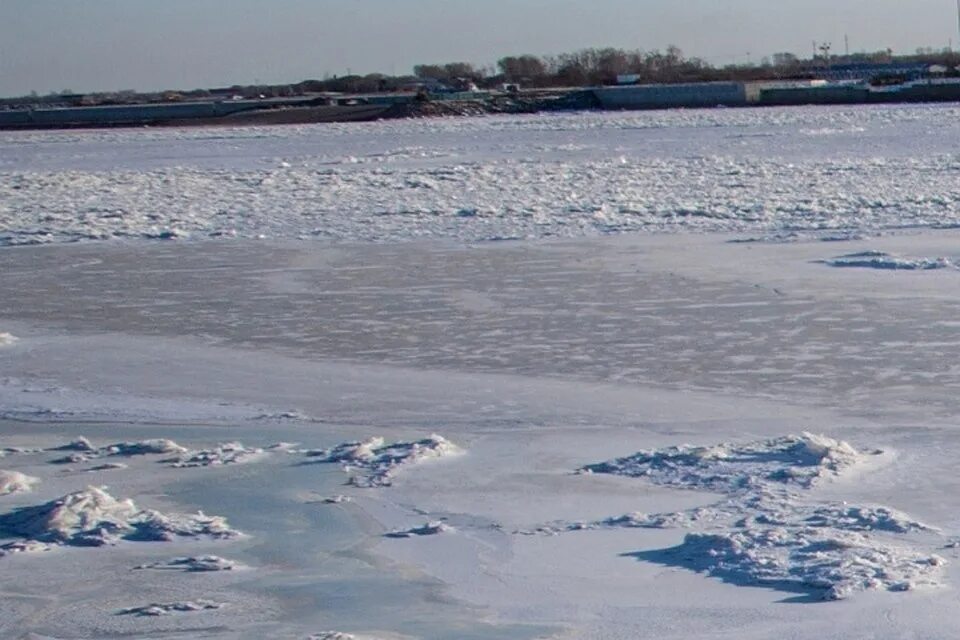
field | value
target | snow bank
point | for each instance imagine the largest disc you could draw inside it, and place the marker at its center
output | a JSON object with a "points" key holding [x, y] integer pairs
{"points": [[170, 608], [193, 564], [15, 482], [796, 460], [92, 517], [374, 463], [881, 260]]}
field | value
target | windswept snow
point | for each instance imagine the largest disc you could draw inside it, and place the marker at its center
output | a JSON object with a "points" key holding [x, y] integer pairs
{"points": [[92, 517], [768, 530], [15, 482], [374, 463]]}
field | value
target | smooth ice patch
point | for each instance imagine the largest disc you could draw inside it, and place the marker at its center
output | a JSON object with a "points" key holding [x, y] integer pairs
{"points": [[373, 462], [881, 260], [16, 482], [92, 518]]}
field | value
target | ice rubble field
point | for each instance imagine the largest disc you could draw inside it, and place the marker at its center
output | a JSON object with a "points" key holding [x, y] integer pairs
{"points": [[774, 171], [276, 382]]}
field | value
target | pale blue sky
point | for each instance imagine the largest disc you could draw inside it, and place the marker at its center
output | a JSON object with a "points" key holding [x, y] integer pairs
{"points": [[87, 45]]}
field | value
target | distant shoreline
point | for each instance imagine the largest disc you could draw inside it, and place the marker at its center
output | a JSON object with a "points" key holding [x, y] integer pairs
{"points": [[398, 106]]}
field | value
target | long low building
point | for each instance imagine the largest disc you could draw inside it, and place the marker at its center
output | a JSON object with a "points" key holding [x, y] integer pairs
{"points": [[665, 96]]}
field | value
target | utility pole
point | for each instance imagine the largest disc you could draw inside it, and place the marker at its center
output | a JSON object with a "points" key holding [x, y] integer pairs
{"points": [[846, 43]]}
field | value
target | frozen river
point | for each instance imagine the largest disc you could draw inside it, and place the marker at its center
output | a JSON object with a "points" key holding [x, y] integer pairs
{"points": [[601, 376]]}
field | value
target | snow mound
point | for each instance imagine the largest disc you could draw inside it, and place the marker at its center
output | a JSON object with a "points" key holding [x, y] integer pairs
{"points": [[428, 529], [767, 530], [15, 482], [92, 517], [228, 453], [80, 444], [23, 546], [338, 499], [826, 562], [170, 608], [375, 463], [7, 338], [793, 460], [881, 260], [107, 466], [82, 451], [142, 448], [193, 564], [332, 635]]}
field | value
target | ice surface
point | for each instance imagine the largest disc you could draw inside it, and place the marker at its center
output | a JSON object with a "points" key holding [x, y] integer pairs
{"points": [[374, 463], [15, 482], [93, 517]]}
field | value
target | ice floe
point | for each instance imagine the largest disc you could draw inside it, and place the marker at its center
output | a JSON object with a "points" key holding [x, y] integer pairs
{"points": [[93, 517], [768, 529], [373, 462], [881, 260], [16, 482], [193, 564], [170, 608]]}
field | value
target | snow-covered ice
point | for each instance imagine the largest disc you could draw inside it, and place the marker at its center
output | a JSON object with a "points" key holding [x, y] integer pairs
{"points": [[552, 293]]}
